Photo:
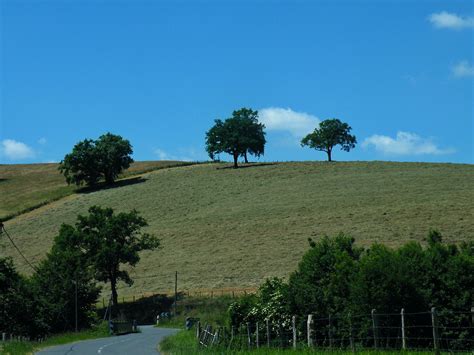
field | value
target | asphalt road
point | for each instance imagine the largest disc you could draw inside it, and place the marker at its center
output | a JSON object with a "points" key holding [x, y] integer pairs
{"points": [[143, 343]]}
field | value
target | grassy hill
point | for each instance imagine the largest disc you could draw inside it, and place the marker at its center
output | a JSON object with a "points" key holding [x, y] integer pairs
{"points": [[27, 186], [223, 228]]}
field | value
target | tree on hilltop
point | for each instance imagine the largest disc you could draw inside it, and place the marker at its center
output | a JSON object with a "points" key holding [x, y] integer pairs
{"points": [[92, 160], [330, 133], [238, 135]]}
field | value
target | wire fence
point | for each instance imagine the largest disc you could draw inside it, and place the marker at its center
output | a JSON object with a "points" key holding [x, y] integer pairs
{"points": [[207, 293], [434, 330]]}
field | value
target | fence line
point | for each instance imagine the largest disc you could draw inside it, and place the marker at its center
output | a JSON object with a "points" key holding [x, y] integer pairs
{"points": [[434, 330], [207, 293]]}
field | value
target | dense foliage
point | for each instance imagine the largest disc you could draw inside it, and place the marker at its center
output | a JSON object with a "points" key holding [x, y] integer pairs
{"points": [[337, 278], [93, 160], [92, 250], [238, 136], [65, 270], [330, 133]]}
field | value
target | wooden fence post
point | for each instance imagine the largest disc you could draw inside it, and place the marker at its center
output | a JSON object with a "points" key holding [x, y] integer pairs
{"points": [[293, 326], [268, 332], [4, 337], [309, 330], [330, 331], [198, 329], [434, 323], [404, 339], [375, 329]]}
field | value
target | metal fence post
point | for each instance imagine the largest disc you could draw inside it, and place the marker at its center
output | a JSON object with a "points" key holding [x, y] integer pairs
{"points": [[350, 334], [309, 330], [293, 326], [249, 339], [268, 331], [404, 339], [375, 328], [434, 323], [330, 331], [257, 338]]}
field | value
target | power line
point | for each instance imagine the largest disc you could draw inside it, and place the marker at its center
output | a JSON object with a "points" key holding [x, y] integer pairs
{"points": [[2, 229]]}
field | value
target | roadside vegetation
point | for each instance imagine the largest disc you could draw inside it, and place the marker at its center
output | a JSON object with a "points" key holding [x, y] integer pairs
{"points": [[100, 330]]}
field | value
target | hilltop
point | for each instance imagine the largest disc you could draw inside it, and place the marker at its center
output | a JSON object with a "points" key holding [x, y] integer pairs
{"points": [[222, 227]]}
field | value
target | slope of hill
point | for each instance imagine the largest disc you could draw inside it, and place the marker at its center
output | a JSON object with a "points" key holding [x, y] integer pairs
{"points": [[26, 186], [232, 228]]}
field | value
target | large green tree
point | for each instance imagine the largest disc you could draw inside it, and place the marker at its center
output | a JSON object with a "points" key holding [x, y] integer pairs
{"points": [[93, 160], [238, 135], [66, 273], [112, 240], [330, 133]]}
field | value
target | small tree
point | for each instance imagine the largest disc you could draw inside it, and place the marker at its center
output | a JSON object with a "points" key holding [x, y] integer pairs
{"points": [[239, 135], [110, 240], [330, 133], [91, 160]]}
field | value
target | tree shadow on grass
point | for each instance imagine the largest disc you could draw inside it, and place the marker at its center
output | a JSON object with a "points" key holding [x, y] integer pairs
{"points": [[116, 184], [244, 166]]}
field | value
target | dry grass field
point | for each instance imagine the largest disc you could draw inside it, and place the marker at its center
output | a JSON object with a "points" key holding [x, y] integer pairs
{"points": [[26, 186], [232, 228]]}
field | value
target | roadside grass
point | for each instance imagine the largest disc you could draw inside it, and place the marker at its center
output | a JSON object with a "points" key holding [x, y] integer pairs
{"points": [[29, 347], [223, 228], [211, 310], [184, 342], [24, 187]]}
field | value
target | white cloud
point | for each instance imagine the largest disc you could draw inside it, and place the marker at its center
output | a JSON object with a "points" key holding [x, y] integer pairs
{"points": [[42, 141], [14, 150], [449, 20], [463, 69], [298, 124], [186, 154], [405, 143]]}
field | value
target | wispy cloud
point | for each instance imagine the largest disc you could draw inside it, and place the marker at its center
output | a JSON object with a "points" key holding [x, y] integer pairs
{"points": [[285, 119], [14, 150], [42, 141], [463, 69], [405, 143], [451, 21], [183, 154]]}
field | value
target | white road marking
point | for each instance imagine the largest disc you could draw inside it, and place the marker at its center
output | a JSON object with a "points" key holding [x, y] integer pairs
{"points": [[106, 345]]}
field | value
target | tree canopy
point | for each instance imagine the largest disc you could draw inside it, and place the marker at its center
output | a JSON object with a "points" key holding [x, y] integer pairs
{"points": [[330, 133], [93, 160], [238, 136]]}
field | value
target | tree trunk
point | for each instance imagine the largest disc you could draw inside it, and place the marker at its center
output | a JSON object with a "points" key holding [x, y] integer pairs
{"points": [[236, 156], [109, 178], [113, 286], [245, 157], [329, 154]]}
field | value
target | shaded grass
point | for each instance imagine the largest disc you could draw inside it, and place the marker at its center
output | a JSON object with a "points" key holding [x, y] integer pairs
{"points": [[28, 347], [184, 342], [235, 227], [211, 310], [25, 187]]}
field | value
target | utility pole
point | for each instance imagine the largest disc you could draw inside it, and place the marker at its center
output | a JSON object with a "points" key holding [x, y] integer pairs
{"points": [[175, 292]]}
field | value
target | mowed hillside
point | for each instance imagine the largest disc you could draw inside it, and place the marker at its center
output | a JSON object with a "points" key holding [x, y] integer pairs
{"points": [[223, 228]]}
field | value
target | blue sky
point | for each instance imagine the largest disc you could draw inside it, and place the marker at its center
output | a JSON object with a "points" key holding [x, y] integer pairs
{"points": [[158, 73]]}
